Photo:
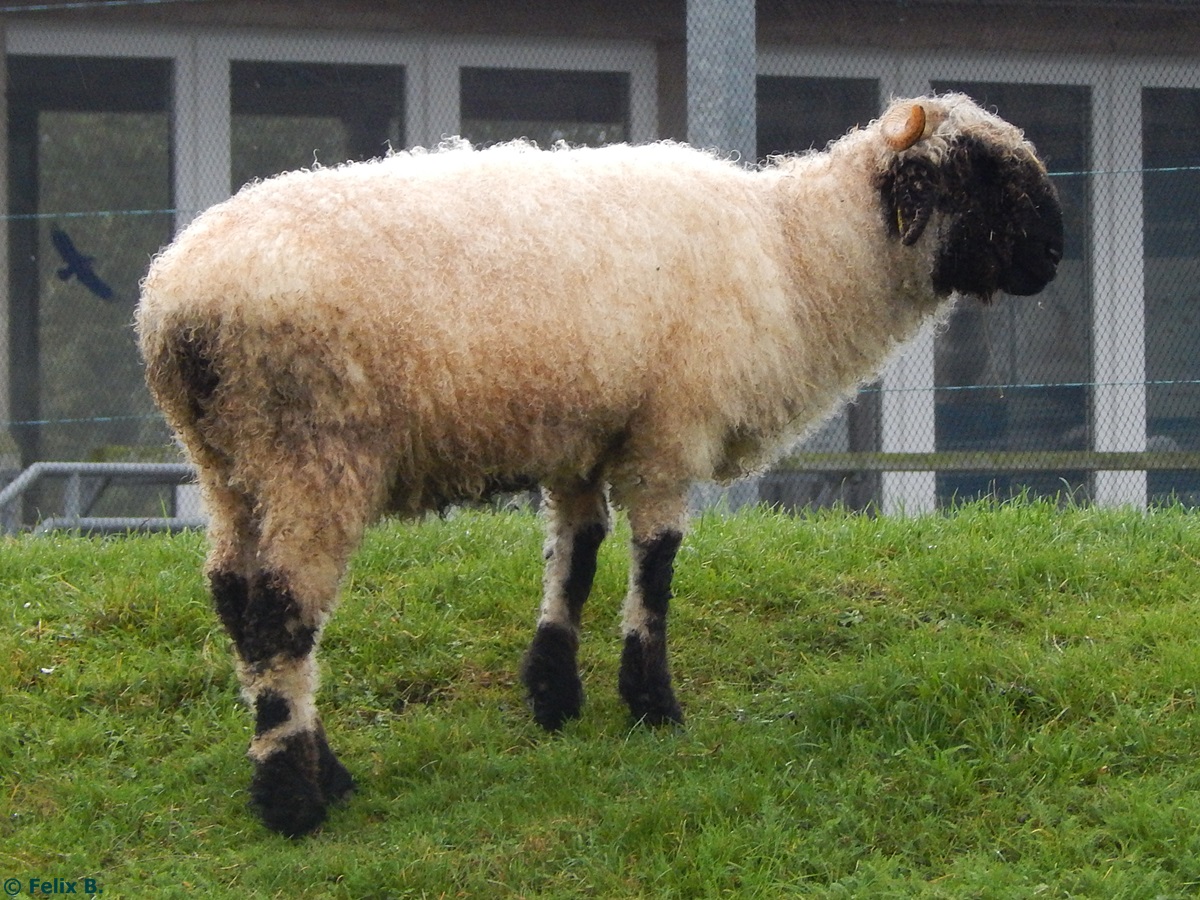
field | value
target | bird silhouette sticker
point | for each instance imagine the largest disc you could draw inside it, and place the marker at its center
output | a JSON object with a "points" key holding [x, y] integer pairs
{"points": [[77, 265]]}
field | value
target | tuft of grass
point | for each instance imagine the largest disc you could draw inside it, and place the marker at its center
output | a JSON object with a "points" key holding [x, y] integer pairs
{"points": [[995, 702]]}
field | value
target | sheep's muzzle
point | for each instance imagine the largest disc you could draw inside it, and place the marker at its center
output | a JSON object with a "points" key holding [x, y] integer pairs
{"points": [[1003, 225], [1037, 244]]}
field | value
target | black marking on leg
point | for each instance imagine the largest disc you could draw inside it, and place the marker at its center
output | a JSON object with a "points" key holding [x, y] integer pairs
{"points": [[231, 594], [656, 569], [272, 623], [551, 677], [286, 790], [644, 680], [582, 571], [270, 711]]}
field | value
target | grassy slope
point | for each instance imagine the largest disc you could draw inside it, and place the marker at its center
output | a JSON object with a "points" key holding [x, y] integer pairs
{"points": [[995, 703]]}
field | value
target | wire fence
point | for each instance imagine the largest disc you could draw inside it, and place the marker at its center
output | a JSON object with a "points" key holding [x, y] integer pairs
{"points": [[124, 123]]}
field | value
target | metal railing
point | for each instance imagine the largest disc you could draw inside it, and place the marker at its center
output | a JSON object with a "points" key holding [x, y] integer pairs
{"points": [[993, 461], [86, 482]]}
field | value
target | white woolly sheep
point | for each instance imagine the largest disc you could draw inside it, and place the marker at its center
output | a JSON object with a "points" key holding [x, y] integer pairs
{"points": [[396, 335]]}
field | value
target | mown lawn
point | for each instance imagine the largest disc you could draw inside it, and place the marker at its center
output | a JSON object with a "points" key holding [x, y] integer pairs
{"points": [[998, 702]]}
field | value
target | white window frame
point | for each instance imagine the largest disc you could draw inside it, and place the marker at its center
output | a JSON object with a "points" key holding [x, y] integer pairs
{"points": [[906, 406], [1126, 251], [217, 51], [903, 381], [201, 165], [200, 112], [201, 63], [38, 39], [1118, 415]]}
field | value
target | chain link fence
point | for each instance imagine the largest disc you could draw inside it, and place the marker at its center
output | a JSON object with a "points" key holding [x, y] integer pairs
{"points": [[125, 119]]}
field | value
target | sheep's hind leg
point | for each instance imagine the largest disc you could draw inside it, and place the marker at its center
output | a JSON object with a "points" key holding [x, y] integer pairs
{"points": [[578, 521], [644, 680], [296, 774], [309, 531], [243, 605]]}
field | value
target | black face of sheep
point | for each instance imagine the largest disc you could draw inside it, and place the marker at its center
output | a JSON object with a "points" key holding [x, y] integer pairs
{"points": [[1001, 225]]}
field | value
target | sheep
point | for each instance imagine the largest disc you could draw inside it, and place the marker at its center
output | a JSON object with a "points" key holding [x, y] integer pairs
{"points": [[611, 324]]}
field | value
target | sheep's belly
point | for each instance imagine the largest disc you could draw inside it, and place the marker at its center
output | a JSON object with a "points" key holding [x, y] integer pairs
{"points": [[472, 465]]}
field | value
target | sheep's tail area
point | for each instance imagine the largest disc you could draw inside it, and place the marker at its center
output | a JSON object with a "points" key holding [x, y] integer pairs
{"points": [[182, 376]]}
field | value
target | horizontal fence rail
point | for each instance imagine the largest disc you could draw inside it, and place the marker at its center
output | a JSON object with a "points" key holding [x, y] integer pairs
{"points": [[85, 483], [992, 461]]}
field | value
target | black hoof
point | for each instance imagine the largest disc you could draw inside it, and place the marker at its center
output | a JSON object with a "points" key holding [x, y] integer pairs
{"points": [[551, 677], [292, 789], [645, 685], [285, 792]]}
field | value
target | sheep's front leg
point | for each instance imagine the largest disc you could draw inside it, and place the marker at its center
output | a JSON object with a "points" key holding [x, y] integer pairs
{"points": [[578, 521], [645, 680]]}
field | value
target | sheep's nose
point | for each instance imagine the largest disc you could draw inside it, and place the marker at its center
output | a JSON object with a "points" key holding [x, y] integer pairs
{"points": [[1033, 267]]}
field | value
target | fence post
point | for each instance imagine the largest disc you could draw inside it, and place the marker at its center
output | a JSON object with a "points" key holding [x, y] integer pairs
{"points": [[722, 65], [721, 70], [1119, 303]]}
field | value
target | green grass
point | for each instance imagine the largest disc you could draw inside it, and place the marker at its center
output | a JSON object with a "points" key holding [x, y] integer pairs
{"points": [[999, 702]]}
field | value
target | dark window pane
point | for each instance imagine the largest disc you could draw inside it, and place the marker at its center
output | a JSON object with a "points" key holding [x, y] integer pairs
{"points": [[292, 115], [797, 114], [1171, 198], [1171, 156], [90, 84], [544, 105], [90, 192]]}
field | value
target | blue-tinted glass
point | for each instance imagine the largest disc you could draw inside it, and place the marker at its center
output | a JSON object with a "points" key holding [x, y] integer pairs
{"points": [[1171, 203]]}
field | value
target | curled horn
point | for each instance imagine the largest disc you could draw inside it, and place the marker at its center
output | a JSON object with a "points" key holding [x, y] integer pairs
{"points": [[901, 131]]}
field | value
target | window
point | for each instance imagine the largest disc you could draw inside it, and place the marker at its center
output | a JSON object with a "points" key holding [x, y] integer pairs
{"points": [[544, 105], [1014, 375], [796, 114], [290, 115], [112, 127], [90, 195], [1171, 199]]}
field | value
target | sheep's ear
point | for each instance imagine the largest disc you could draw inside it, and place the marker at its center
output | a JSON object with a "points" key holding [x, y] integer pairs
{"points": [[909, 191]]}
